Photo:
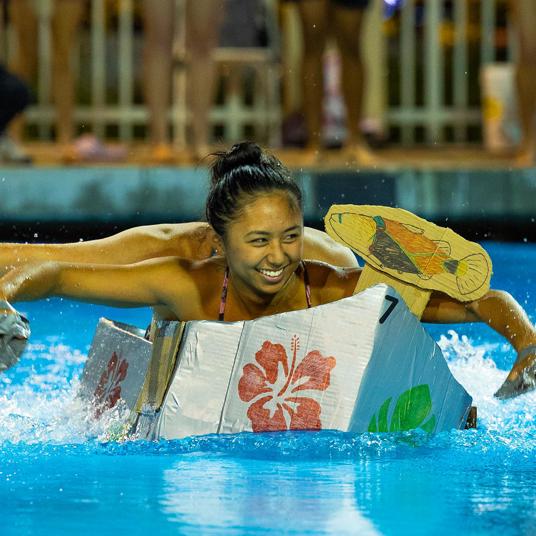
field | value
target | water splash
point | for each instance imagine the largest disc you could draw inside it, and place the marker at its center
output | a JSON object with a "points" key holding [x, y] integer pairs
{"points": [[39, 402]]}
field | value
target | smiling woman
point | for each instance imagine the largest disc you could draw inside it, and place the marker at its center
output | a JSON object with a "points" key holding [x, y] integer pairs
{"points": [[254, 208]]}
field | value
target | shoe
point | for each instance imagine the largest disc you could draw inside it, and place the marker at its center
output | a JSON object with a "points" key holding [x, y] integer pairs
{"points": [[162, 154], [11, 153], [360, 154], [87, 149]]}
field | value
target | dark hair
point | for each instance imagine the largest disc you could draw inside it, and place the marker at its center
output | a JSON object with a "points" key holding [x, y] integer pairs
{"points": [[244, 171]]}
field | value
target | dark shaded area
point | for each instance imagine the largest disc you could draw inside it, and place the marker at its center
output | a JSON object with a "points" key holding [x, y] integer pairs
{"points": [[363, 188]]}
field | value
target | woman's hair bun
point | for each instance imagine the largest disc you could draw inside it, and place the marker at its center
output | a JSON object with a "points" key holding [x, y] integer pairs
{"points": [[245, 153], [240, 174]]}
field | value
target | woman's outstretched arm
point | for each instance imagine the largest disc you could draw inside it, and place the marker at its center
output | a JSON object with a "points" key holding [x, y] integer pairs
{"points": [[131, 285], [502, 313], [193, 241], [497, 308]]}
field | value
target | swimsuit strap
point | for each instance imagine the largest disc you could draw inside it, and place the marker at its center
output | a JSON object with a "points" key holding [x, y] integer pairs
{"points": [[307, 285], [223, 298]]}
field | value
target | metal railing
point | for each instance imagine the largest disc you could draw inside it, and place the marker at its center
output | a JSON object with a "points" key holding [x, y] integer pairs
{"points": [[440, 56], [431, 54]]}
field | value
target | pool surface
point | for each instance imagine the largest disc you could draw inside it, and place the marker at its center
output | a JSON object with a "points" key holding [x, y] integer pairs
{"points": [[58, 473]]}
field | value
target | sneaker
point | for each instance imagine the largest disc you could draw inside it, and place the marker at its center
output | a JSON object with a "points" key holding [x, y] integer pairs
{"points": [[89, 149], [11, 153]]}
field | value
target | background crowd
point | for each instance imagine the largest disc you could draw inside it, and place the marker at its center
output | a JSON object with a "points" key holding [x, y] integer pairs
{"points": [[206, 25]]}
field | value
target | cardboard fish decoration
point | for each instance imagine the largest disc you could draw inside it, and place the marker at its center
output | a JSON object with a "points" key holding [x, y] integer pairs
{"points": [[411, 250]]}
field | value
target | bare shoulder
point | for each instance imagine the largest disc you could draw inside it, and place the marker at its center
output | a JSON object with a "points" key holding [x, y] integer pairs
{"points": [[193, 240], [190, 288], [173, 232], [188, 270], [320, 246], [169, 231], [330, 283]]}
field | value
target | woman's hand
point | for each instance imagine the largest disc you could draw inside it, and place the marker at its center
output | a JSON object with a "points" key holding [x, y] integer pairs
{"points": [[14, 333], [30, 281], [522, 377]]}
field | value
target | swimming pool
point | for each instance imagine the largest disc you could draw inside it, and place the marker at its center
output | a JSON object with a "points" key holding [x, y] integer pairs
{"points": [[58, 474]]}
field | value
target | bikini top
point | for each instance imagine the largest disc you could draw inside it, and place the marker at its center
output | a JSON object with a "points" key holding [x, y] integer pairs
{"points": [[223, 299]]}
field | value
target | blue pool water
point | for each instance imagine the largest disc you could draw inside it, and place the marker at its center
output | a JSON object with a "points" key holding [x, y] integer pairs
{"points": [[58, 474]]}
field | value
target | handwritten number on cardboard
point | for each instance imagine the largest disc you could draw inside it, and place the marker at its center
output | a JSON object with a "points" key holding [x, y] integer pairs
{"points": [[393, 301]]}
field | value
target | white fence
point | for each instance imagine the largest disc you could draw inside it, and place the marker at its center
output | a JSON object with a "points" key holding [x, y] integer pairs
{"points": [[424, 68], [451, 49]]}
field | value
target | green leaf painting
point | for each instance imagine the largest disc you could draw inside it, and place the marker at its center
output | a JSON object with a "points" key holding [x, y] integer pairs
{"points": [[412, 409]]}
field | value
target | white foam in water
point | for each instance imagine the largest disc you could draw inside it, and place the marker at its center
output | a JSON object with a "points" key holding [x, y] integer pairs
{"points": [[45, 408], [472, 365]]}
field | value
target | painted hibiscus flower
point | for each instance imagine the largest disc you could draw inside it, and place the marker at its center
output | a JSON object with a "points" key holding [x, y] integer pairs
{"points": [[276, 389], [108, 391]]}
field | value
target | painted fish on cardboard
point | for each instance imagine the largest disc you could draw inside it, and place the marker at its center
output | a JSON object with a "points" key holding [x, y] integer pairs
{"points": [[405, 249]]}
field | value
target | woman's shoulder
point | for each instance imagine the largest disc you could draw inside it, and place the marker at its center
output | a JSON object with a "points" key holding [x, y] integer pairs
{"points": [[204, 271], [320, 246], [330, 283], [193, 240], [190, 288]]}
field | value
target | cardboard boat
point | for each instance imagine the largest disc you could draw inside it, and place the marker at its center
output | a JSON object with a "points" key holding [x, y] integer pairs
{"points": [[361, 364]]}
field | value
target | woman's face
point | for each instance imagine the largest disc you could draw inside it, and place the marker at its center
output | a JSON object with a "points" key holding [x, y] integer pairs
{"points": [[263, 244]]}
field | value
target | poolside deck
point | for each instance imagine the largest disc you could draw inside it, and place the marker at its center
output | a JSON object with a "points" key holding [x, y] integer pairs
{"points": [[441, 158], [482, 195]]}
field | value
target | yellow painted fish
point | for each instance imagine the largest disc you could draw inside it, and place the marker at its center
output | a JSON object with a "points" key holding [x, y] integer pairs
{"points": [[405, 249]]}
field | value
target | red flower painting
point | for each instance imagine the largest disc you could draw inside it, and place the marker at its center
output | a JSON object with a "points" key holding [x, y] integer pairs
{"points": [[108, 391], [276, 389]]}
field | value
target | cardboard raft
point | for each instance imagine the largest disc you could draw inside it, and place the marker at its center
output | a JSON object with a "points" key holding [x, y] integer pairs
{"points": [[362, 364]]}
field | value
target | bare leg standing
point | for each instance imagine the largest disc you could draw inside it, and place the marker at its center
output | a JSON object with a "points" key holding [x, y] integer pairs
{"points": [[524, 18], [66, 21], [347, 25], [314, 15], [24, 62], [159, 19], [203, 21]]}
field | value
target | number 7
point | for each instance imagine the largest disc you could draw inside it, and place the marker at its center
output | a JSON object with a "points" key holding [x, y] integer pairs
{"points": [[390, 309]]}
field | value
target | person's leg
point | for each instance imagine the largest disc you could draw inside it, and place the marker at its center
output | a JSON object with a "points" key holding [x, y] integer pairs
{"points": [[203, 21], [347, 26], [14, 96], [24, 20], [24, 63], [159, 24], [524, 18], [65, 25], [314, 15]]}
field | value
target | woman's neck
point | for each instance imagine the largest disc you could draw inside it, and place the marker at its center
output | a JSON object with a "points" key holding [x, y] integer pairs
{"points": [[245, 300]]}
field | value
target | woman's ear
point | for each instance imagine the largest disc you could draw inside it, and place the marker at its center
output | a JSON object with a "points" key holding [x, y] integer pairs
{"points": [[217, 245]]}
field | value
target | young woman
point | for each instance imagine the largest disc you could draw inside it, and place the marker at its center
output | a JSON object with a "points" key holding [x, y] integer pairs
{"points": [[193, 240], [255, 210]]}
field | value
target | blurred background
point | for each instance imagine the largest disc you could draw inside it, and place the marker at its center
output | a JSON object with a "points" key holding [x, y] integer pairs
{"points": [[109, 108]]}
